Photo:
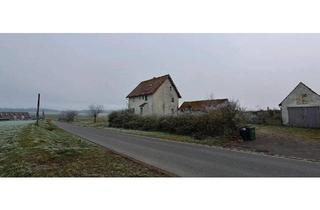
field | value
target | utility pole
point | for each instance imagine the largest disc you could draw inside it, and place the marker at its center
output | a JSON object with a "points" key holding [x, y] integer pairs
{"points": [[38, 106]]}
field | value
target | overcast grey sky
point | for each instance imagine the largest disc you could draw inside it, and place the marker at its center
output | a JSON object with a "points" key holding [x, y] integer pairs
{"points": [[72, 71]]}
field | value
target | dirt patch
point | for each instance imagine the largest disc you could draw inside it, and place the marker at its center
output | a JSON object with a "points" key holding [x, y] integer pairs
{"points": [[273, 142]]}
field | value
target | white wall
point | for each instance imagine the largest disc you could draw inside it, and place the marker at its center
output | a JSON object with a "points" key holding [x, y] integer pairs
{"points": [[135, 102], [162, 103]]}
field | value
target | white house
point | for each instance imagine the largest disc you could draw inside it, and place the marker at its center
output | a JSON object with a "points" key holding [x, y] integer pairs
{"points": [[301, 107], [157, 96]]}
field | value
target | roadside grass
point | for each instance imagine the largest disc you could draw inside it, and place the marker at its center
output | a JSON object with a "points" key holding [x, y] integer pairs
{"points": [[210, 141], [304, 133], [48, 151], [88, 122]]}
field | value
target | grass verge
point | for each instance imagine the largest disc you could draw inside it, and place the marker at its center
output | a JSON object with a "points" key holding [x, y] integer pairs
{"points": [[211, 141], [47, 151], [88, 122]]}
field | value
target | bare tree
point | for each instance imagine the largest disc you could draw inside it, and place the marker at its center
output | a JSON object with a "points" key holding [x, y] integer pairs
{"points": [[68, 116], [94, 111]]}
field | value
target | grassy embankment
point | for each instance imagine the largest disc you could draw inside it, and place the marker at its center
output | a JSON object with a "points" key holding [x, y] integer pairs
{"points": [[47, 151]]}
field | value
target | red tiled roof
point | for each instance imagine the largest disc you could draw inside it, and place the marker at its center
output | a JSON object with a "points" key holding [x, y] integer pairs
{"points": [[149, 87], [202, 105]]}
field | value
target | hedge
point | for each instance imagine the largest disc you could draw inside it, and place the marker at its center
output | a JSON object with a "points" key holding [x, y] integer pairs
{"points": [[224, 121]]}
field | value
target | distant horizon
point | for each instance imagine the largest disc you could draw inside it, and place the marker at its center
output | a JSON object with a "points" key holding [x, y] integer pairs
{"points": [[48, 109]]}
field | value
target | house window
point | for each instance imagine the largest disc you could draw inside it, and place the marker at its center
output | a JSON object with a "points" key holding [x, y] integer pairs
{"points": [[172, 99], [172, 111], [170, 88], [146, 98], [141, 110]]}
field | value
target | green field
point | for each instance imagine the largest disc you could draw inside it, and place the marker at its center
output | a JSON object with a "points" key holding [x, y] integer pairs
{"points": [[27, 150]]}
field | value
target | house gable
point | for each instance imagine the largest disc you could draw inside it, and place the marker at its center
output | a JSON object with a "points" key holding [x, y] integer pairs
{"points": [[166, 99], [301, 95]]}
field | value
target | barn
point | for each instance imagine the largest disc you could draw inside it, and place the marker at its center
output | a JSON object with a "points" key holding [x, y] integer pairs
{"points": [[301, 108]]}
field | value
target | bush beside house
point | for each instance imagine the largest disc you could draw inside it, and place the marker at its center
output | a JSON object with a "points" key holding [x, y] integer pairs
{"points": [[224, 121]]}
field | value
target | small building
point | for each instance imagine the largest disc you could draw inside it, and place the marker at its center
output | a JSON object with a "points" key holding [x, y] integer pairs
{"points": [[301, 108], [156, 96], [202, 106], [14, 116]]}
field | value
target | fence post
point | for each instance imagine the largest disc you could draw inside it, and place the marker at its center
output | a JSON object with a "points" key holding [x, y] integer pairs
{"points": [[38, 106]]}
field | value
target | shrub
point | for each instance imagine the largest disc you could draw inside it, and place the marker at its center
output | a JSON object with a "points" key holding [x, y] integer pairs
{"points": [[149, 123], [185, 124], [121, 118], [167, 124], [223, 121], [50, 127]]}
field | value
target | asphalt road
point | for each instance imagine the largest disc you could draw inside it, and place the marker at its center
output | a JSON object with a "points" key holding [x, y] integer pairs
{"points": [[189, 160]]}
